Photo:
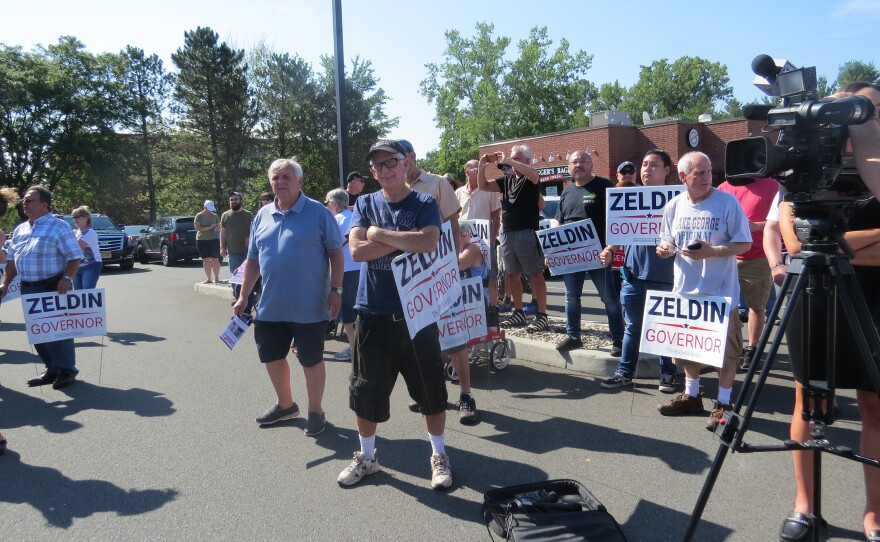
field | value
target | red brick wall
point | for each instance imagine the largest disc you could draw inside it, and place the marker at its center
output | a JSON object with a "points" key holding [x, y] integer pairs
{"points": [[611, 145]]}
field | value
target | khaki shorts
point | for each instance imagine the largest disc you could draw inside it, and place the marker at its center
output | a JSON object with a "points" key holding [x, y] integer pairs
{"points": [[755, 282]]}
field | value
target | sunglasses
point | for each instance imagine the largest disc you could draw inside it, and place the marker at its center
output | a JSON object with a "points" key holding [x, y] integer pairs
{"points": [[628, 170]]}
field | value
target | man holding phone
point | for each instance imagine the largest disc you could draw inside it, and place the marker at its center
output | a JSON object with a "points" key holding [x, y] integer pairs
{"points": [[704, 229]]}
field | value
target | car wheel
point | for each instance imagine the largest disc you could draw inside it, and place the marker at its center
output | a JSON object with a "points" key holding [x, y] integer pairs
{"points": [[142, 256], [167, 256]]}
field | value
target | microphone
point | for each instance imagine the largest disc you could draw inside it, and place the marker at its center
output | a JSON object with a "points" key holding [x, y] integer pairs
{"points": [[766, 69], [756, 111]]}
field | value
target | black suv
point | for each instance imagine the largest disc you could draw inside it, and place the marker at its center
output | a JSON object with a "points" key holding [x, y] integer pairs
{"points": [[114, 244], [170, 239]]}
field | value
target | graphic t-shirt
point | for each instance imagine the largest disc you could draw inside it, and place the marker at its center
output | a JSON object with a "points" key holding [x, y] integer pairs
{"points": [[718, 220], [377, 292], [582, 202]]}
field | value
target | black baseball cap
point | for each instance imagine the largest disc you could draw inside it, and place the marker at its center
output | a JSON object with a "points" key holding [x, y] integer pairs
{"points": [[387, 145], [624, 165], [354, 175]]}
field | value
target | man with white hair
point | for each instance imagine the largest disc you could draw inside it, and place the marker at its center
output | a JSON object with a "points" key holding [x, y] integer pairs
{"points": [[714, 224], [520, 249]]}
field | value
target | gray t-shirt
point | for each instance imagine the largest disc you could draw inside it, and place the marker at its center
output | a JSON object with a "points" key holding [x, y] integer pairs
{"points": [[718, 220]]}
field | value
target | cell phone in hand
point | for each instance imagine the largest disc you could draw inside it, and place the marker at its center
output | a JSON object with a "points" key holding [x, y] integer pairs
{"points": [[696, 245]]}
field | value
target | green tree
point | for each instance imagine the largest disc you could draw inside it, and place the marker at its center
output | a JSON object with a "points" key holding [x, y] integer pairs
{"points": [[59, 110], [212, 92], [608, 97], [541, 91], [146, 86], [686, 88], [856, 70], [466, 89]]}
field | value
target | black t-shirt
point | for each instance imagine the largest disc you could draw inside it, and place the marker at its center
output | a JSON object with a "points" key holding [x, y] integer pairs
{"points": [[582, 202], [519, 203]]}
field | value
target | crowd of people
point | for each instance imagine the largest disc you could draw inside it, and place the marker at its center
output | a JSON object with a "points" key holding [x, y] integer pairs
{"points": [[724, 241]]}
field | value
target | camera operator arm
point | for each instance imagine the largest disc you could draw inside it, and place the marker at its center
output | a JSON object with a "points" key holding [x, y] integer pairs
{"points": [[786, 227]]}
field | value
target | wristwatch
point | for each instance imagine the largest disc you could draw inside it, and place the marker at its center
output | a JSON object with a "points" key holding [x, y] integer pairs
{"points": [[67, 278], [334, 289]]}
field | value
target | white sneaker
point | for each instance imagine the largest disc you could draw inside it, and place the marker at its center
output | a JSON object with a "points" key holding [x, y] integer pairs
{"points": [[343, 355], [441, 476], [357, 469]]}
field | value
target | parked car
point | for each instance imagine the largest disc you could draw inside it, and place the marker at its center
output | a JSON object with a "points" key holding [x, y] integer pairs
{"points": [[112, 240], [134, 233], [169, 239]]}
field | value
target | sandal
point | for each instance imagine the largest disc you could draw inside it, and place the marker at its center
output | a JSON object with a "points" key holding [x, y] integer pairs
{"points": [[873, 536]]}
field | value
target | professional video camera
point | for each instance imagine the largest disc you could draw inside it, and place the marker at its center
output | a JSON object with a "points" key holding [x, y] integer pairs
{"points": [[808, 157]]}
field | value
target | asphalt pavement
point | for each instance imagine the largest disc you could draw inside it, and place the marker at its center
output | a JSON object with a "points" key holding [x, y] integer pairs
{"points": [[158, 441]]}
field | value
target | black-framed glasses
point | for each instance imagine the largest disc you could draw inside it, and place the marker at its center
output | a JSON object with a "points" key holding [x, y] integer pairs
{"points": [[391, 163]]}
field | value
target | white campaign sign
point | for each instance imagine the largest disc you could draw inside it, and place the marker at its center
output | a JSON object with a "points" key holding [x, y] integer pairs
{"points": [[466, 319], [634, 213], [14, 290], [571, 247], [51, 317], [427, 282], [481, 231], [692, 327], [234, 331]]}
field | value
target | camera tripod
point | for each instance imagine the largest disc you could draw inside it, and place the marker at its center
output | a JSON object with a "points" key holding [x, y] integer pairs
{"points": [[826, 277]]}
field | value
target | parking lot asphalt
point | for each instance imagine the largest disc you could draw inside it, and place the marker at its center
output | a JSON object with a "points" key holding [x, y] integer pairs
{"points": [[157, 441]]}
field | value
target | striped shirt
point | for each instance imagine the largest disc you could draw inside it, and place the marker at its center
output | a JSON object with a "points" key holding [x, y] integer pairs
{"points": [[41, 250]]}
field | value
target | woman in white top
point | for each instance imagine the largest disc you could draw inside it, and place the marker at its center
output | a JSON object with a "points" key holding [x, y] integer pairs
{"points": [[90, 269]]}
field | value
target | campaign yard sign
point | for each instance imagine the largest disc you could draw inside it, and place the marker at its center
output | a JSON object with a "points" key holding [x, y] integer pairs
{"points": [[51, 316], [692, 327], [428, 282], [634, 213], [571, 247], [480, 238], [466, 319]]}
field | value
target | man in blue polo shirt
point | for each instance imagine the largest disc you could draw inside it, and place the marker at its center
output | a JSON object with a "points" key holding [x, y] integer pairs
{"points": [[293, 238]]}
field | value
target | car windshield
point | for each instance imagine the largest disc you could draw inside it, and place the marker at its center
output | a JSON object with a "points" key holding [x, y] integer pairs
{"points": [[134, 230], [103, 223], [550, 210]]}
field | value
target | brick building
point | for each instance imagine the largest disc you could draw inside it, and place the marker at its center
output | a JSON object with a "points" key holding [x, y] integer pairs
{"points": [[612, 144]]}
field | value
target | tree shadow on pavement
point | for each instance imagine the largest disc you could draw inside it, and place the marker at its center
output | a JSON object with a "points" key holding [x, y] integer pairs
{"points": [[61, 499], [50, 409], [644, 522], [525, 382]]}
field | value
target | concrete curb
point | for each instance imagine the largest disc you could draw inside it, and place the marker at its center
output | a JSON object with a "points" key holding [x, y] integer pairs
{"points": [[592, 362]]}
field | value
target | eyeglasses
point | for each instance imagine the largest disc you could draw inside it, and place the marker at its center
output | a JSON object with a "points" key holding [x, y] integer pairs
{"points": [[472, 169], [391, 163], [628, 170], [29, 200]]}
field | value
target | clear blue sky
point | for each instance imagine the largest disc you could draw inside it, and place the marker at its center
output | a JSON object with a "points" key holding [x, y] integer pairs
{"points": [[400, 38]]}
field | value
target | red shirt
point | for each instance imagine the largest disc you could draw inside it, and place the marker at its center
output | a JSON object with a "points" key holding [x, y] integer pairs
{"points": [[755, 199]]}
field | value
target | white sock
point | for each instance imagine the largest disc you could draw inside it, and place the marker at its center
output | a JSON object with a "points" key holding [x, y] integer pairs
{"points": [[438, 443], [692, 386], [724, 395], [368, 447]]}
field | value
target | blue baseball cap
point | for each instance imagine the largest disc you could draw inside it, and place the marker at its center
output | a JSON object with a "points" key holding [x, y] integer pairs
{"points": [[406, 145]]}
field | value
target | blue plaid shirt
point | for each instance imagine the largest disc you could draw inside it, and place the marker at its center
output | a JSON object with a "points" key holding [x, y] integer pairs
{"points": [[41, 250]]}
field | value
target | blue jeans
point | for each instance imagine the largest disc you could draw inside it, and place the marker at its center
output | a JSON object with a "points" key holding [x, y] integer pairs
{"points": [[235, 261], [604, 282], [632, 296], [87, 275], [58, 356]]}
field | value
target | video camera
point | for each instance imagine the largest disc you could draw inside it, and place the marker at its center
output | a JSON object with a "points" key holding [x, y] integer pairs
{"points": [[808, 157]]}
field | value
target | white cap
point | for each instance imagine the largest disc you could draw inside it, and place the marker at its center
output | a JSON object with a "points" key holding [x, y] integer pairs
{"points": [[209, 205]]}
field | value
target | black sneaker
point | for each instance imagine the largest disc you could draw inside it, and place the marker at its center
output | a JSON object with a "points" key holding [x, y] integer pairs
{"points": [[467, 409], [667, 383], [540, 324], [414, 406], [569, 343], [616, 348], [276, 414], [316, 424], [516, 319], [745, 360], [619, 380]]}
